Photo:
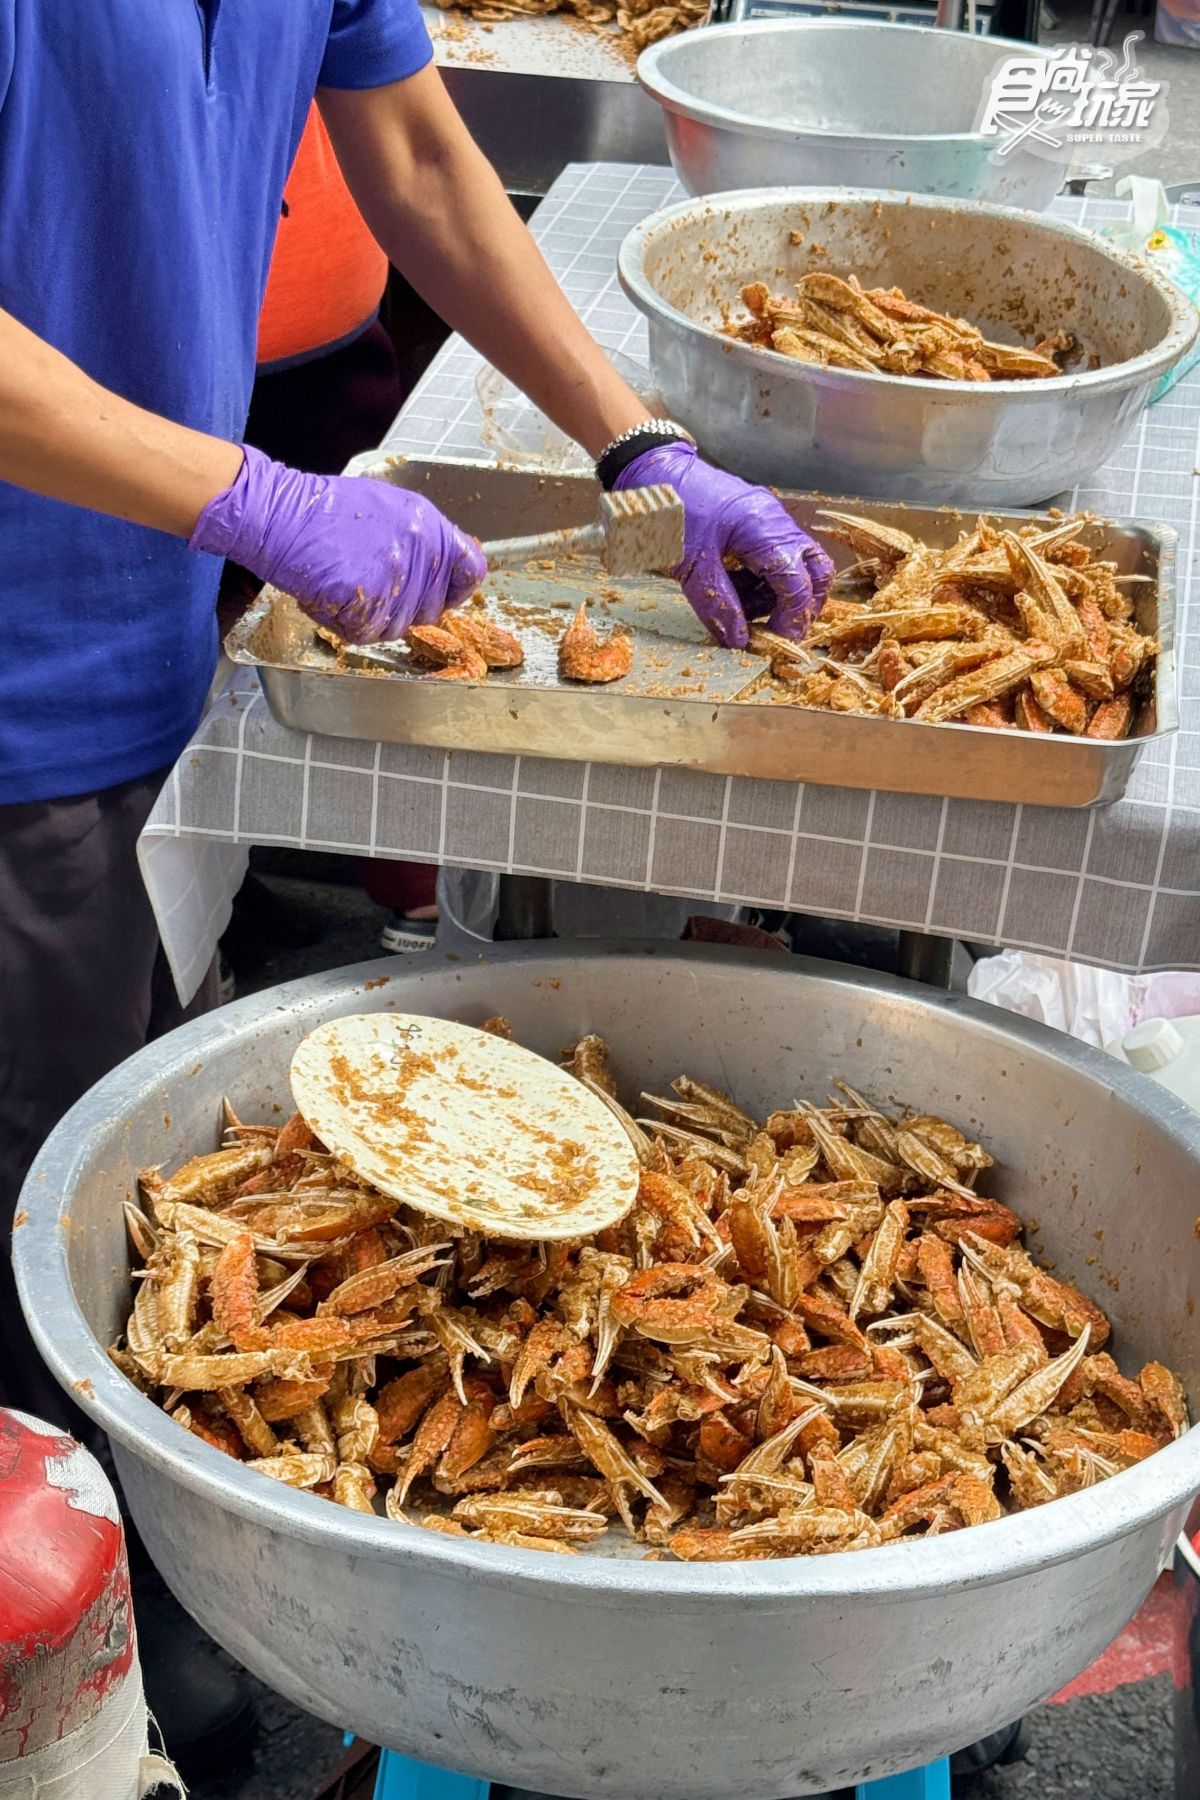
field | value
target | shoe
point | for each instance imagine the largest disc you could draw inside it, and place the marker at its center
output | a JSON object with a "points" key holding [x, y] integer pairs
{"points": [[200, 1702], [403, 935]]}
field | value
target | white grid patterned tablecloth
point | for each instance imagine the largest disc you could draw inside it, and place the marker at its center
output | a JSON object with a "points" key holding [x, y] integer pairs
{"points": [[1118, 885]]}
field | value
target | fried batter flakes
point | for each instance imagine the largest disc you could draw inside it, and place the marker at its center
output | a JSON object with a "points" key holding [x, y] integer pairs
{"points": [[641, 22]]}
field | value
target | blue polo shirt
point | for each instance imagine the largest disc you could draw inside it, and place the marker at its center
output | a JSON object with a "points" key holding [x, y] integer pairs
{"points": [[144, 146]]}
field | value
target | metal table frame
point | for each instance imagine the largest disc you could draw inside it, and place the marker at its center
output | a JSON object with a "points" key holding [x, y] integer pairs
{"points": [[525, 912]]}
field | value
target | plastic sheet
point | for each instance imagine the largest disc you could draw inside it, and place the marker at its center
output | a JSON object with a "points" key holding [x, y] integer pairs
{"points": [[516, 431], [1094, 1005], [1173, 253]]}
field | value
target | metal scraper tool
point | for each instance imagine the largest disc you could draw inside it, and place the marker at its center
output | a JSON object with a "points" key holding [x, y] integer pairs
{"points": [[640, 531]]}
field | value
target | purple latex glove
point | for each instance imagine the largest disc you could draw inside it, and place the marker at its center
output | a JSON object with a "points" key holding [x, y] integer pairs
{"points": [[362, 557], [785, 575]]}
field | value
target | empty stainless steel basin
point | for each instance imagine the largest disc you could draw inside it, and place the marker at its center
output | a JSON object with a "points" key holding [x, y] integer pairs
{"points": [[818, 102]]}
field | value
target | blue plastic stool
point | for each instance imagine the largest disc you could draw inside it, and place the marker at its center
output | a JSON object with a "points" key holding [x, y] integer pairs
{"points": [[400, 1778], [930, 1783]]}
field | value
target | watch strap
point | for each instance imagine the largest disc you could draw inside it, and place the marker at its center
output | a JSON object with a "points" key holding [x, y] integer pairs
{"points": [[650, 435]]}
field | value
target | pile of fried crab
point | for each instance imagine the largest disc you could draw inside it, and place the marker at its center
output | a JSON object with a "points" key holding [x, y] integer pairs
{"points": [[1027, 629], [812, 1333], [838, 323], [639, 22], [1024, 629]]}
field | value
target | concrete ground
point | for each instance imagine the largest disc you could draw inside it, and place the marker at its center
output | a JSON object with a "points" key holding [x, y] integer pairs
{"points": [[1178, 157], [292, 1759], [1114, 1746]]}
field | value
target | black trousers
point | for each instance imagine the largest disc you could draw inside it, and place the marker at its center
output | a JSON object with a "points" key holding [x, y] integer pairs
{"points": [[83, 984]]}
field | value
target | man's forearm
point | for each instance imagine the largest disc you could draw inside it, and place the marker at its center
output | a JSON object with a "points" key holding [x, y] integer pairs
{"points": [[63, 435], [439, 210]]}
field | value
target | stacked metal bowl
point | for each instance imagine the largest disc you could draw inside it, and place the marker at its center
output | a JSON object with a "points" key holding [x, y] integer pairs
{"points": [[822, 101], [924, 201]]}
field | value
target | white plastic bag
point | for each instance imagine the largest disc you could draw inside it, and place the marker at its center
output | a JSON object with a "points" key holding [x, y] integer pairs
{"points": [[1094, 1005], [1172, 253], [1149, 211]]}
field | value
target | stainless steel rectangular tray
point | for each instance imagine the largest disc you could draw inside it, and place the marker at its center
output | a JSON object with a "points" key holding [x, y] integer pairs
{"points": [[686, 703], [539, 93]]}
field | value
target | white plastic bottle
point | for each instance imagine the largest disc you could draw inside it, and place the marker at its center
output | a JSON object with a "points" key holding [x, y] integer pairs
{"points": [[1168, 1050]]}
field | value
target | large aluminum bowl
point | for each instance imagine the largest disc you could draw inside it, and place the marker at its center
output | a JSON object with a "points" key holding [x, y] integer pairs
{"points": [[813, 102], [645, 1680], [891, 437]]}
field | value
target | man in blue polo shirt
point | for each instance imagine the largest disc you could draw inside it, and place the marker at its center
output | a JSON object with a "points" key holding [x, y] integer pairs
{"points": [[143, 154]]}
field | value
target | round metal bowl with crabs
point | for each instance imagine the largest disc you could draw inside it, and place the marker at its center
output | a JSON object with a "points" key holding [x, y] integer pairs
{"points": [[825, 387], [637, 1668]]}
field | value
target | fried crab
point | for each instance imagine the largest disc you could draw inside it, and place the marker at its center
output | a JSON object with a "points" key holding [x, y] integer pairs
{"points": [[1026, 630], [812, 1333], [842, 325]]}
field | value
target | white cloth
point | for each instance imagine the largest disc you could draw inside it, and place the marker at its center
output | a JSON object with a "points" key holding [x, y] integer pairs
{"points": [[1118, 886], [103, 1760]]}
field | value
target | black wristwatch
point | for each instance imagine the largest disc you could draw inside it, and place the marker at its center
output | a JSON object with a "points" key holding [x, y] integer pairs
{"points": [[625, 449]]}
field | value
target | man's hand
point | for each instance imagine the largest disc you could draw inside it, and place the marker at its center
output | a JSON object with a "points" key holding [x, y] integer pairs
{"points": [[363, 558], [785, 575]]}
